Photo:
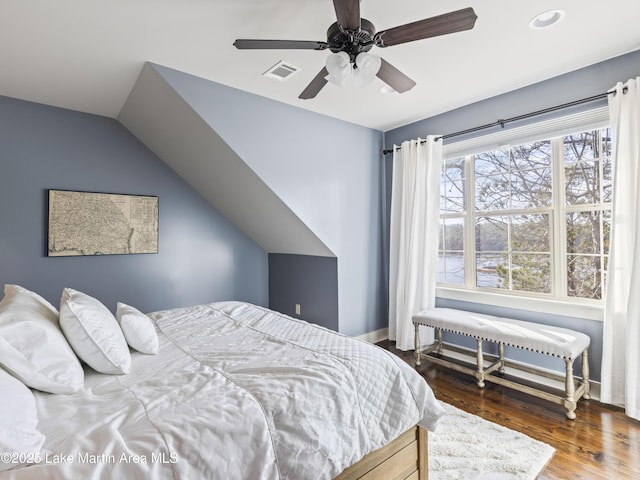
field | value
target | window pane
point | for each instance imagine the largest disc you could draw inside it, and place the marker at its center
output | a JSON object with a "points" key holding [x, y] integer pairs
{"points": [[531, 155], [492, 234], [530, 233], [584, 232], [492, 193], [607, 185], [454, 196], [531, 178], [443, 189], [531, 188], [486, 270], [514, 216], [492, 180], [507, 255], [452, 186], [515, 179], [582, 183], [452, 234], [581, 146], [587, 158], [584, 276], [451, 251], [451, 268], [606, 231], [527, 233], [531, 272], [491, 163]]}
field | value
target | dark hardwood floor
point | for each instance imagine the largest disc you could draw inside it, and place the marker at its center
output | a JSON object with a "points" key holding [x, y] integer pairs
{"points": [[602, 443]]}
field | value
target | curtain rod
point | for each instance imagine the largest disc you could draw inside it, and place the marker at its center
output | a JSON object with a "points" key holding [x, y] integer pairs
{"points": [[502, 123]]}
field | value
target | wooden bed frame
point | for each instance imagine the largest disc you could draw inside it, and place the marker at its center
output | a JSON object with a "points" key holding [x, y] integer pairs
{"points": [[405, 458]]}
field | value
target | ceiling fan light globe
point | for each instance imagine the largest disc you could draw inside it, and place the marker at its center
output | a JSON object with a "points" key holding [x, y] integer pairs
{"points": [[359, 78], [368, 63], [338, 64], [337, 81], [368, 66]]}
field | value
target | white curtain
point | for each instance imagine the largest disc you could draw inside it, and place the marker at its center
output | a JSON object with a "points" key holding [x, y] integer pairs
{"points": [[621, 333], [414, 229]]}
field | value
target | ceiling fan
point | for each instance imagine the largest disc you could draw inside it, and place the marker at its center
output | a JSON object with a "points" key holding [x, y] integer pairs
{"points": [[355, 36]]}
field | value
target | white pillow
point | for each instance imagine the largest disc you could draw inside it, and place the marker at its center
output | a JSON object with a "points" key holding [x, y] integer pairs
{"points": [[32, 346], [138, 329], [19, 437], [93, 333]]}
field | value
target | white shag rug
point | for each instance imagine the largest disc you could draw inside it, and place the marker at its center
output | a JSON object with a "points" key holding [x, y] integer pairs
{"points": [[465, 447]]}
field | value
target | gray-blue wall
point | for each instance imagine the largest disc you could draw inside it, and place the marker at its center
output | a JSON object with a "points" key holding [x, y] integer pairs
{"points": [[327, 171], [202, 256], [309, 281], [582, 83], [563, 89]]}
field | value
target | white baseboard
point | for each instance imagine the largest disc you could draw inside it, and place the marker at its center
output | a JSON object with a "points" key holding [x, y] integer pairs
{"points": [[375, 337]]}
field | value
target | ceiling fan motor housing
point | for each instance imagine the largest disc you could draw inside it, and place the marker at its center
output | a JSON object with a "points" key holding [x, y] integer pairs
{"points": [[352, 42], [354, 35]]}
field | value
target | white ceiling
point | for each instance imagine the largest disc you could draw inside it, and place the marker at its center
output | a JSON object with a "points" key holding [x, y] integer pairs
{"points": [[86, 54]]}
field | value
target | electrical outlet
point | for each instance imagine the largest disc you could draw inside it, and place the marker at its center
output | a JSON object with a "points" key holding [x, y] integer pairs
{"points": [[297, 309]]}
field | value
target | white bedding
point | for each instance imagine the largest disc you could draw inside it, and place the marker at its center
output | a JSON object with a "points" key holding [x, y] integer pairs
{"points": [[236, 392]]}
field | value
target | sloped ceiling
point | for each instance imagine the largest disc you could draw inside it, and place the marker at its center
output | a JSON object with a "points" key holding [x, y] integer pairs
{"points": [[159, 117], [86, 55]]}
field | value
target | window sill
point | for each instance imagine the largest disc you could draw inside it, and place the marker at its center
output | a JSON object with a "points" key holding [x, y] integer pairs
{"points": [[585, 310]]}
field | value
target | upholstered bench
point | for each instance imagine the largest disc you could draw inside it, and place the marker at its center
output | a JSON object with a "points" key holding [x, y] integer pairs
{"points": [[558, 342]]}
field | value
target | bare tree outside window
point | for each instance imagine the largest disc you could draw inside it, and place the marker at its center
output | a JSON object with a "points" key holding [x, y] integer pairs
{"points": [[518, 217], [588, 187]]}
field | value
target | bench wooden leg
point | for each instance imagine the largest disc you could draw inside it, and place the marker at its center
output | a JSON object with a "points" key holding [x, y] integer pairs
{"points": [[501, 353], [570, 390], [585, 375], [439, 340], [417, 345], [480, 364]]}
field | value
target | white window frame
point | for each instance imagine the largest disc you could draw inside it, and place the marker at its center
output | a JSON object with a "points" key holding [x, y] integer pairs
{"points": [[559, 304]]}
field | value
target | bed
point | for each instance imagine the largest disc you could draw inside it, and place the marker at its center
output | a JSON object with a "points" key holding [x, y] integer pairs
{"points": [[238, 391]]}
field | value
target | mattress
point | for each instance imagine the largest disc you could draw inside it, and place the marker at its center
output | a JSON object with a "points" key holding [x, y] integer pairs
{"points": [[237, 392]]}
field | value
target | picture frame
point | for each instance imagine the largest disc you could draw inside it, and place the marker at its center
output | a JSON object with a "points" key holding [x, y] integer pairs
{"points": [[91, 223]]}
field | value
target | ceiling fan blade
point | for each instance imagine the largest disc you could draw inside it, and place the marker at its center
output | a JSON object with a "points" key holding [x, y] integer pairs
{"points": [[348, 13], [244, 44], [394, 77], [450, 22], [316, 85]]}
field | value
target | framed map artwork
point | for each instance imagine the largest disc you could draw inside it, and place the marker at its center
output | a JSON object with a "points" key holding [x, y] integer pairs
{"points": [[86, 223]]}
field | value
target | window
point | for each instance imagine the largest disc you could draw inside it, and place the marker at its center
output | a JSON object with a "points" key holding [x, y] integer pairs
{"points": [[531, 219]]}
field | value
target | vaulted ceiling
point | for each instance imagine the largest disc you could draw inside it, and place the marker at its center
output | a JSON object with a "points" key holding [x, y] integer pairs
{"points": [[158, 114], [87, 55]]}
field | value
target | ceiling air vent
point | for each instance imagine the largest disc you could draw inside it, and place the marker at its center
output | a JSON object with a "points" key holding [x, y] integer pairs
{"points": [[281, 71]]}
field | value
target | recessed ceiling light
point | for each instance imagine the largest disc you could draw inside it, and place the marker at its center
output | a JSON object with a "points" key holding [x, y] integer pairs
{"points": [[546, 19]]}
